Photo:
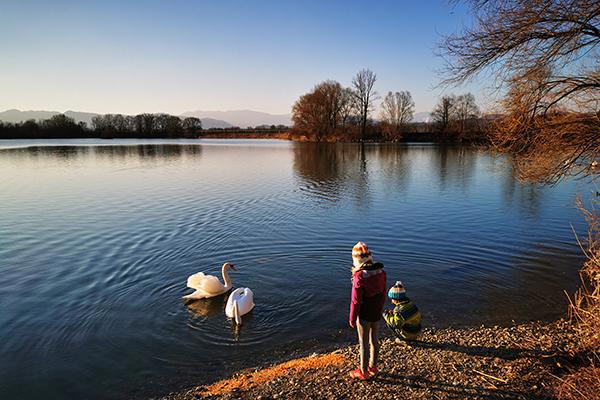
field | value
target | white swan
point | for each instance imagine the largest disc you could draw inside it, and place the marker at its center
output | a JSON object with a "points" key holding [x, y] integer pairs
{"points": [[240, 302], [208, 285]]}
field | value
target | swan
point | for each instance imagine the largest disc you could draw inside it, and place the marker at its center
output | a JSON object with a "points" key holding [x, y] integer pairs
{"points": [[208, 285], [240, 302]]}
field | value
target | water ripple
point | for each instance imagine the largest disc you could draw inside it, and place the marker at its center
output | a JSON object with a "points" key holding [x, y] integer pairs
{"points": [[98, 238]]}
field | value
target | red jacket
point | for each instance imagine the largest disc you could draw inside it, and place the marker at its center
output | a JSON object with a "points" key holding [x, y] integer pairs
{"points": [[368, 293]]}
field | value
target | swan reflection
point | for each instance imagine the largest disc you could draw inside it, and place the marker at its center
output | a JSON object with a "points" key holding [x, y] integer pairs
{"points": [[207, 308]]}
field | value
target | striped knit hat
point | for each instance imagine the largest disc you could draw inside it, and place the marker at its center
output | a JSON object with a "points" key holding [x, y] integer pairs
{"points": [[361, 255], [397, 292]]}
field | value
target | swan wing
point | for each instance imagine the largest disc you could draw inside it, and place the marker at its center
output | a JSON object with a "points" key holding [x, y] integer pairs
{"points": [[198, 294], [211, 284], [194, 281], [205, 283]]}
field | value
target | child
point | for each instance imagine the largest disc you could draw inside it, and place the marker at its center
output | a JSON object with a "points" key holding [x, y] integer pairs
{"points": [[405, 319], [366, 305]]}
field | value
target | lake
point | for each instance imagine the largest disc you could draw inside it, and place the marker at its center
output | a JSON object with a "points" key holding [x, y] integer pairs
{"points": [[97, 239]]}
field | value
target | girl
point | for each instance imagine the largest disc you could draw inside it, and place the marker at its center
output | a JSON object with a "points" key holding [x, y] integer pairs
{"points": [[366, 306]]}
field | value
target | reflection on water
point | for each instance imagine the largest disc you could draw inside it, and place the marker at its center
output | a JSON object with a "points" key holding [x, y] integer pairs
{"points": [[329, 171], [206, 308], [143, 152], [98, 238]]}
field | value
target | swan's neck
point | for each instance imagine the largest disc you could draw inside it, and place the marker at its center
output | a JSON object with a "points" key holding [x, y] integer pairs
{"points": [[226, 278], [236, 313]]}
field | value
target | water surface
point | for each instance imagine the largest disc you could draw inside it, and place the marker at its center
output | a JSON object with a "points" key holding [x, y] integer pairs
{"points": [[97, 239]]}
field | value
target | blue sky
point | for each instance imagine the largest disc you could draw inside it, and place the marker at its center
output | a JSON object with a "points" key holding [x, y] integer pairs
{"points": [[177, 56]]}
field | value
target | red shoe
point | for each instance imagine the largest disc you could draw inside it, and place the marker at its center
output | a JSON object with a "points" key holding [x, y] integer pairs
{"points": [[372, 371], [358, 374]]}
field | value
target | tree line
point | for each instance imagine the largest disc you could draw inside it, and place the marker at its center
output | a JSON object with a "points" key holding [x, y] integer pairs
{"points": [[115, 126], [104, 126], [146, 126], [458, 118], [331, 112], [58, 127]]}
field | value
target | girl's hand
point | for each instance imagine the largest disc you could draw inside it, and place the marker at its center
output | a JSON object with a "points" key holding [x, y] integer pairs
{"points": [[352, 324]]}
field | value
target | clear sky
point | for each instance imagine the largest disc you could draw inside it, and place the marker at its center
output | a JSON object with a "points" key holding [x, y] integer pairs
{"points": [[176, 56]]}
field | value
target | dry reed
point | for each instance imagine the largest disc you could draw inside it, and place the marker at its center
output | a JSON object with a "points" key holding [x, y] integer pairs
{"points": [[584, 309], [584, 312]]}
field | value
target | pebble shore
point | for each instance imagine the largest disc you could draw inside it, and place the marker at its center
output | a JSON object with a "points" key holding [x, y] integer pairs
{"points": [[522, 361]]}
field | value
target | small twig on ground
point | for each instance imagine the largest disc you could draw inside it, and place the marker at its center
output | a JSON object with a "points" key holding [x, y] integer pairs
{"points": [[490, 376]]}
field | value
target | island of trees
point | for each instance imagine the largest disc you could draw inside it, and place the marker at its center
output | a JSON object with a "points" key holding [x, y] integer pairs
{"points": [[331, 112]]}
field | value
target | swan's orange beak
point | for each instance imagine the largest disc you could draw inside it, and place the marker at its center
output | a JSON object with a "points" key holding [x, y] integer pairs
{"points": [[233, 267]]}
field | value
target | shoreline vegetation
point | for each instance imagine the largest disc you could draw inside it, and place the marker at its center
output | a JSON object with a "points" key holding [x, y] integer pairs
{"points": [[328, 113], [521, 361], [63, 127]]}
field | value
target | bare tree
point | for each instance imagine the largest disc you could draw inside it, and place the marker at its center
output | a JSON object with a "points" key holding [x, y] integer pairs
{"points": [[546, 144], [443, 112], [191, 125], [348, 106], [545, 56], [364, 93], [110, 124], [173, 126], [465, 113], [397, 110], [332, 94], [321, 111], [307, 116], [149, 125], [119, 122]]}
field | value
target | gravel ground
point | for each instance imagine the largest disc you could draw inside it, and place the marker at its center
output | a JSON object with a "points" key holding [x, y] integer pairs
{"points": [[516, 362]]}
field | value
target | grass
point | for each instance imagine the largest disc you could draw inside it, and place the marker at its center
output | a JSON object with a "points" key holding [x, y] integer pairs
{"points": [[245, 381]]}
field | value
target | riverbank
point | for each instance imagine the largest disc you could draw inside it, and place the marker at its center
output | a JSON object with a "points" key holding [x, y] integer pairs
{"points": [[421, 137], [222, 134], [522, 361]]}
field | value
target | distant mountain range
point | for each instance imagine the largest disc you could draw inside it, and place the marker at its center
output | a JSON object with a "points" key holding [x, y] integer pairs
{"points": [[209, 123], [210, 119], [243, 118], [421, 117], [19, 116]]}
